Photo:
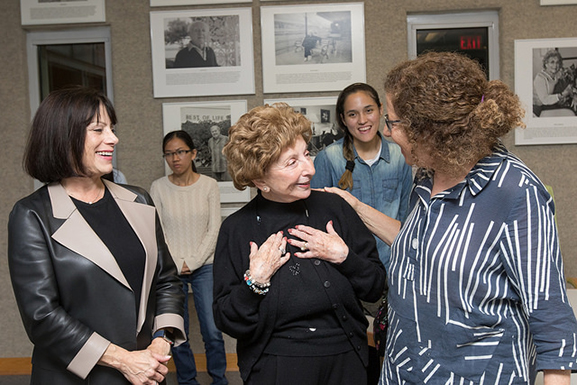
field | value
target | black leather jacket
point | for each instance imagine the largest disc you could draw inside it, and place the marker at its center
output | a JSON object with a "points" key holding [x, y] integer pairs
{"points": [[73, 298]]}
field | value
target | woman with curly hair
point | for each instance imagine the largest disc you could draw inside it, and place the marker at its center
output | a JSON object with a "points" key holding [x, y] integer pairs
{"points": [[292, 265], [476, 286]]}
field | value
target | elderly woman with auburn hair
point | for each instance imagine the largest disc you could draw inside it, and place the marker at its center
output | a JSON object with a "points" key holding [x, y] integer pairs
{"points": [[291, 266]]}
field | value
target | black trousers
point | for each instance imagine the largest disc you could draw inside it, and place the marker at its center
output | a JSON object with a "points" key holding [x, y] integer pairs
{"points": [[340, 369]]}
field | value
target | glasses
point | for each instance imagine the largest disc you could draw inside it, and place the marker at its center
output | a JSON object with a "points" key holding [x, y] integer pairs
{"points": [[390, 123], [179, 153]]}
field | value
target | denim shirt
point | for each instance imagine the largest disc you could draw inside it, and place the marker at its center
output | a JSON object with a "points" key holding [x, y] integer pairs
{"points": [[385, 186]]}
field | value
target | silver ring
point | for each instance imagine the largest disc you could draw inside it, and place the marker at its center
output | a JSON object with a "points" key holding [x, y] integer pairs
{"points": [[282, 251]]}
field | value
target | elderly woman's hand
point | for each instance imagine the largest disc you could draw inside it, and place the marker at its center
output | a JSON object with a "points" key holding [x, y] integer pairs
{"points": [[268, 258], [315, 243]]}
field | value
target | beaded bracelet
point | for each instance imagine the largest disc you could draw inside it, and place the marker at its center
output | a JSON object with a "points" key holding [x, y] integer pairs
{"points": [[257, 287]]}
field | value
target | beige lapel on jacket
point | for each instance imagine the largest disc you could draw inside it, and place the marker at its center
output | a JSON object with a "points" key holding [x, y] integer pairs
{"points": [[76, 235]]}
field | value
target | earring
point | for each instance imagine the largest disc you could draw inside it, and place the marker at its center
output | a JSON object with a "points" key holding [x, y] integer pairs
{"points": [[265, 189]]}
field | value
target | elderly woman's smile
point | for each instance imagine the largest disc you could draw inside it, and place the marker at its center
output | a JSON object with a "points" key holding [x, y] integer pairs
{"points": [[288, 178]]}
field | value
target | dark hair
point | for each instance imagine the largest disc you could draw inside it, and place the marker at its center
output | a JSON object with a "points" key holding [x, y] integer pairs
{"points": [[346, 181], [185, 137], [55, 144]]}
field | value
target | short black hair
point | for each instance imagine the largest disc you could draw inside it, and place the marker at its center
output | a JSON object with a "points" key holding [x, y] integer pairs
{"points": [[55, 144]]}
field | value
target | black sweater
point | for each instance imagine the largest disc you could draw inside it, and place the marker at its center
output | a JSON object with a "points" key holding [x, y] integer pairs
{"points": [[252, 318]]}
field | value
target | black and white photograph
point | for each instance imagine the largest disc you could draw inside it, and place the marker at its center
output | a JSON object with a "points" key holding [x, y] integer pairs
{"points": [[44, 12], [547, 89], [554, 89], [202, 42], [208, 124], [202, 52], [315, 47], [313, 37], [321, 111], [163, 3]]}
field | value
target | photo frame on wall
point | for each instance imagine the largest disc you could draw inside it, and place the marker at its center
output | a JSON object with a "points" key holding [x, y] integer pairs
{"points": [[311, 48], [208, 124], [321, 111], [39, 12], [163, 3], [202, 52], [545, 71]]}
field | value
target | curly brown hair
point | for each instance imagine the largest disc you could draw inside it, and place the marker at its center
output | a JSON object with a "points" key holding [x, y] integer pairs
{"points": [[450, 111], [259, 137]]}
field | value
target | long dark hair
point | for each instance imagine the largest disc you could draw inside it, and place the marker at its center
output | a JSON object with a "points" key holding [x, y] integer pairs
{"points": [[185, 137], [346, 181]]}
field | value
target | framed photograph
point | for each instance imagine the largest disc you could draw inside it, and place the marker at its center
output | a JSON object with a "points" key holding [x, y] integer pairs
{"points": [[202, 52], [163, 3], [309, 48], [208, 124], [37, 12], [322, 114], [545, 74]]}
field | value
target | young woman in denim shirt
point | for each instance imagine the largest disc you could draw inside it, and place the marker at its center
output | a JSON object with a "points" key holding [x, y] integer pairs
{"points": [[363, 162]]}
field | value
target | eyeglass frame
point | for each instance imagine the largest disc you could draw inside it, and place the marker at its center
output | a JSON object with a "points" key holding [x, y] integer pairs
{"points": [[179, 153], [390, 123]]}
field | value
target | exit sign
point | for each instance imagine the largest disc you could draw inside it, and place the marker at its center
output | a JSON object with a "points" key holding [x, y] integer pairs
{"points": [[471, 42]]}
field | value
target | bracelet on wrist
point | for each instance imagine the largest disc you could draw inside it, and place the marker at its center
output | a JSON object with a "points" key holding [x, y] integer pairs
{"points": [[257, 287]]}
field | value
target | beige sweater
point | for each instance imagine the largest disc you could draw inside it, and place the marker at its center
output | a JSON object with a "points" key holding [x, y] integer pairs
{"points": [[190, 217]]}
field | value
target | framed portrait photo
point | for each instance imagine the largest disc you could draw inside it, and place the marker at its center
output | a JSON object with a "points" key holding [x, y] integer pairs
{"points": [[202, 52], [163, 3], [321, 111], [38, 12], [208, 124], [545, 75], [311, 48]]}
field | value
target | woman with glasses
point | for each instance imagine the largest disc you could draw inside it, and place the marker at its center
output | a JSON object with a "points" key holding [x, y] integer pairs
{"points": [[476, 283], [363, 162], [189, 207], [292, 265]]}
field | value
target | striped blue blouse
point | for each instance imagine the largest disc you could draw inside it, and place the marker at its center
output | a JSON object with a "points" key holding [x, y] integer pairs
{"points": [[476, 283]]}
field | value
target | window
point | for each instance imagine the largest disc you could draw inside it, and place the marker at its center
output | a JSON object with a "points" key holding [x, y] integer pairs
{"points": [[474, 34]]}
